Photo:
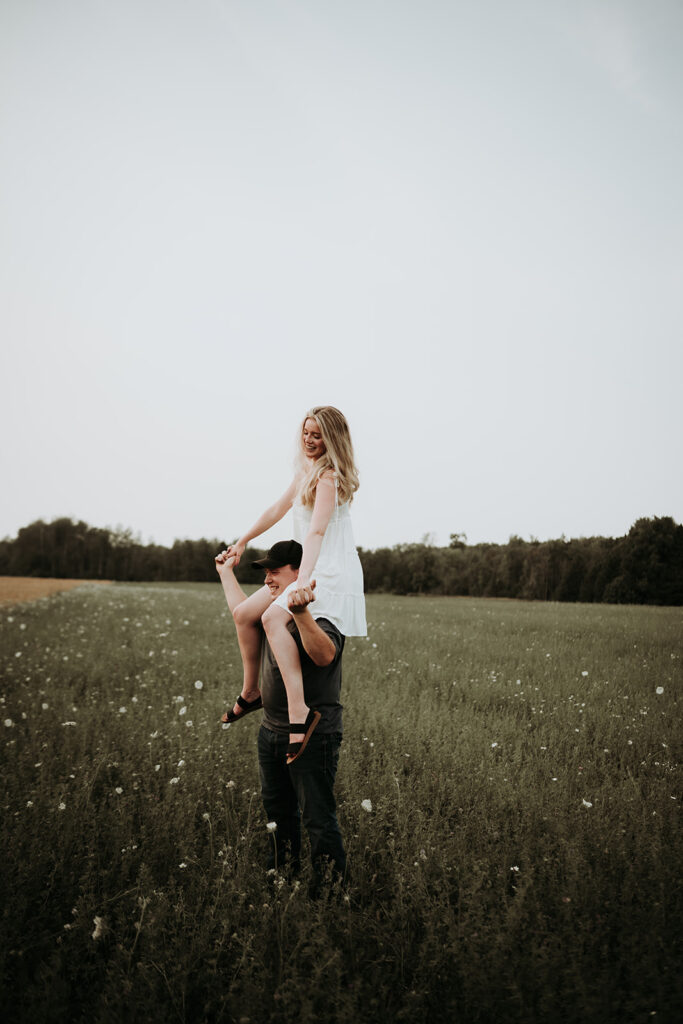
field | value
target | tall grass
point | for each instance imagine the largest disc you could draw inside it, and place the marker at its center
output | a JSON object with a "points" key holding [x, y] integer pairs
{"points": [[521, 861]]}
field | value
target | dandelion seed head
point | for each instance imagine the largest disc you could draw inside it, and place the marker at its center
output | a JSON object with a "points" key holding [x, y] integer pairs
{"points": [[174, 781], [271, 826], [366, 805], [118, 790], [659, 691], [8, 723], [199, 685], [183, 710], [586, 803]]}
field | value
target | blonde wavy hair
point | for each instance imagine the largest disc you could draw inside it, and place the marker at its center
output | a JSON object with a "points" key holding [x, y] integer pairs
{"points": [[338, 455]]}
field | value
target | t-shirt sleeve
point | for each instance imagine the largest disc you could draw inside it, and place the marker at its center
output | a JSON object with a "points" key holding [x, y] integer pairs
{"points": [[335, 636]]}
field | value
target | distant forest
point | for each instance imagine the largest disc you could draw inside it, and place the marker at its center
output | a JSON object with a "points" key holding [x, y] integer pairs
{"points": [[644, 567]]}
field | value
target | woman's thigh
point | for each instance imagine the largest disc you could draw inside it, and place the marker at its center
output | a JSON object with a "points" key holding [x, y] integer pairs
{"points": [[250, 610]]}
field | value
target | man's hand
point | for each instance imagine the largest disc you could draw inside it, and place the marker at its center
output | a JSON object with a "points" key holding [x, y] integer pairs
{"points": [[224, 561], [300, 598], [235, 551]]}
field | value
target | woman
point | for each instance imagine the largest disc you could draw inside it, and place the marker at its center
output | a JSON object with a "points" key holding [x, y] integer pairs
{"points": [[321, 494]]}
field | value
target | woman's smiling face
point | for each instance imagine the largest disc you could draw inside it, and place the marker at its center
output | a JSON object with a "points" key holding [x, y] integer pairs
{"points": [[312, 440]]}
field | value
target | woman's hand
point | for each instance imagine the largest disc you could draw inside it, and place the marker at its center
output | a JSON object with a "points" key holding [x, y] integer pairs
{"points": [[236, 551], [224, 560], [301, 597]]}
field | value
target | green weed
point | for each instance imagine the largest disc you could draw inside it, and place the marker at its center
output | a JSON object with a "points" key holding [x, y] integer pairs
{"points": [[521, 860]]}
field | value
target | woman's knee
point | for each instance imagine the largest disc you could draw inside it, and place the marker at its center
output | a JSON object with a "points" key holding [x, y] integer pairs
{"points": [[243, 616], [273, 618]]}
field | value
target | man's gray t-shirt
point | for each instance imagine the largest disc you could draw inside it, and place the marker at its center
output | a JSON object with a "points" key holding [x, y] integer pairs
{"points": [[322, 684]]}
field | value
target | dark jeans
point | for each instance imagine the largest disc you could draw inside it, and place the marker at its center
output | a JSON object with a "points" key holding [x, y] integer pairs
{"points": [[302, 792]]}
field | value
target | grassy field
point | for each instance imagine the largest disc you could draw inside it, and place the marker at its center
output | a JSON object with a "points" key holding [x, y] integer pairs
{"points": [[521, 861]]}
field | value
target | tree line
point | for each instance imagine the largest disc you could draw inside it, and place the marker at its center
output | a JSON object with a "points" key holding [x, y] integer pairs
{"points": [[644, 567]]}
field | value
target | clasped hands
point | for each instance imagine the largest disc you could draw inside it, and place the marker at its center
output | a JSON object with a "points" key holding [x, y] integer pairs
{"points": [[300, 597]]}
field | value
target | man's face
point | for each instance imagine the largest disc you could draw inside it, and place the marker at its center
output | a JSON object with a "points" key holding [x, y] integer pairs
{"points": [[277, 580]]}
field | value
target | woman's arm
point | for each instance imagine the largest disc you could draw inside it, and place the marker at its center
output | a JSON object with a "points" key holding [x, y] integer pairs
{"points": [[322, 513], [264, 522]]}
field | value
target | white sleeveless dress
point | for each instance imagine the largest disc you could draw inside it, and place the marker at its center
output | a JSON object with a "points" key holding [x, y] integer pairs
{"points": [[338, 573]]}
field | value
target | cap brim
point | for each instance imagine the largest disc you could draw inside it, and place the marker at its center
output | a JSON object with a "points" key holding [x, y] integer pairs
{"points": [[266, 563]]}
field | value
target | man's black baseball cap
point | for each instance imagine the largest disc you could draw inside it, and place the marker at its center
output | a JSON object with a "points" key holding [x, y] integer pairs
{"points": [[285, 552]]}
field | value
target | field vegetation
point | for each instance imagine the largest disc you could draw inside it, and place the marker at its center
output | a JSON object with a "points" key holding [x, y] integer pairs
{"points": [[508, 789]]}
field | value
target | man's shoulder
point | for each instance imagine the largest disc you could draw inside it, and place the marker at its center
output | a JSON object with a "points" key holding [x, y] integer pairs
{"points": [[332, 631]]}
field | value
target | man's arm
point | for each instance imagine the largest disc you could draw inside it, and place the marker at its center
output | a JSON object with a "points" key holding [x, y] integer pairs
{"points": [[319, 647], [234, 594]]}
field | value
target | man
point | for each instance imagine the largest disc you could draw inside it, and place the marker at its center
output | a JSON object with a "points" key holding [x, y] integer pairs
{"points": [[304, 789]]}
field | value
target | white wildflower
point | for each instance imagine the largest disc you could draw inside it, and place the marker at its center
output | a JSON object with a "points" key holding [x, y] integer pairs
{"points": [[100, 928], [271, 826], [199, 685], [8, 723], [659, 691], [122, 711], [587, 803], [183, 710], [493, 746], [118, 790], [366, 805], [174, 781]]}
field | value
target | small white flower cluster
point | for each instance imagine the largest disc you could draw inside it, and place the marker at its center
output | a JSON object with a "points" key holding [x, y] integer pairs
{"points": [[366, 805]]}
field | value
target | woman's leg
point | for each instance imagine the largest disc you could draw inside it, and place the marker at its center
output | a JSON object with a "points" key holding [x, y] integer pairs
{"points": [[286, 652], [247, 617]]}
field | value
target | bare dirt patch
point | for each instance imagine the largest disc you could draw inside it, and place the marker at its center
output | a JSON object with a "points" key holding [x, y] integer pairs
{"points": [[15, 589]]}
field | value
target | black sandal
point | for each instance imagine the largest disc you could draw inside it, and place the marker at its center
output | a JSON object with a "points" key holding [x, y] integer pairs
{"points": [[295, 750], [246, 705]]}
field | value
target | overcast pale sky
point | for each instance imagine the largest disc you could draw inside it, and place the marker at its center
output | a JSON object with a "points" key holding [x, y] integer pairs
{"points": [[460, 222]]}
